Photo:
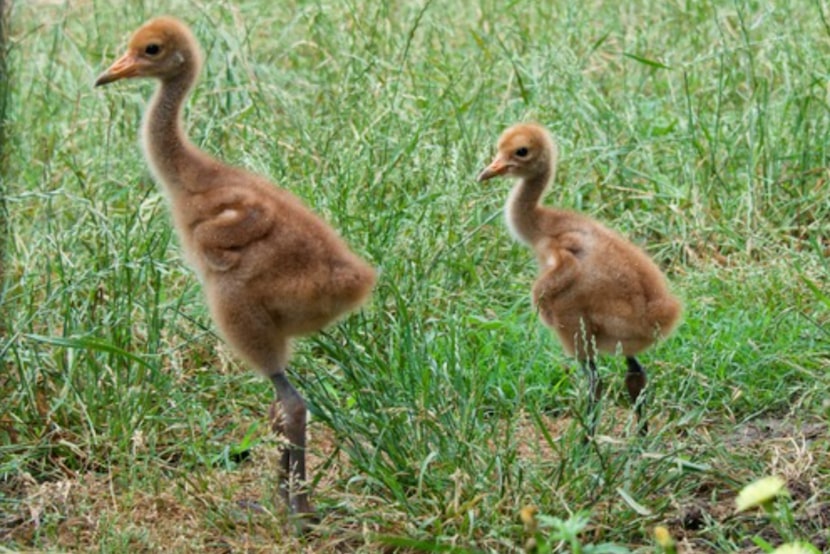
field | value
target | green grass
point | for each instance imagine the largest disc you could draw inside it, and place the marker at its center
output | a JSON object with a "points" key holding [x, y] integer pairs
{"points": [[444, 407]]}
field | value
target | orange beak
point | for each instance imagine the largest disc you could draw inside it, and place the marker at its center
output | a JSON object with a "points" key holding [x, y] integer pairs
{"points": [[124, 67], [498, 167]]}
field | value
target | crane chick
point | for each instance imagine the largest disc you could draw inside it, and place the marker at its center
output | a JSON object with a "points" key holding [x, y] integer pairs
{"points": [[271, 269], [599, 292]]}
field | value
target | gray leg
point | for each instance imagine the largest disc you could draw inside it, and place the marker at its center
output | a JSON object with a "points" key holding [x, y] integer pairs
{"points": [[635, 381], [293, 475], [594, 394], [278, 426]]}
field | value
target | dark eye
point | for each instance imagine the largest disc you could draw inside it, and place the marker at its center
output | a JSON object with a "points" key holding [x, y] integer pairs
{"points": [[152, 49], [521, 152]]}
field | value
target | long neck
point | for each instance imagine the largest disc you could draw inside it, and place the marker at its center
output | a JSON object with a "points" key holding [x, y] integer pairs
{"points": [[522, 210], [171, 155]]}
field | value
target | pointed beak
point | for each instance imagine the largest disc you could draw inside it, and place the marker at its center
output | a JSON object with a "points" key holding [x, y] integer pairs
{"points": [[498, 167], [124, 67]]}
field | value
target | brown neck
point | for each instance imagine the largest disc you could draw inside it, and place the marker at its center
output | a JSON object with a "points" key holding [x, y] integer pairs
{"points": [[171, 154], [522, 210]]}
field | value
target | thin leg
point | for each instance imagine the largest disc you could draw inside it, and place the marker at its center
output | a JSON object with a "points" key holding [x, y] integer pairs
{"points": [[292, 478], [278, 426], [635, 381], [594, 394]]}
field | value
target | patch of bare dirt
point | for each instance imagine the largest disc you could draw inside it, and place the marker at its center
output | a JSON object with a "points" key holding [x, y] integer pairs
{"points": [[797, 452], [702, 509]]}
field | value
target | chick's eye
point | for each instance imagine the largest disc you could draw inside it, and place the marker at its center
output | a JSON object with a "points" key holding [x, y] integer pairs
{"points": [[521, 152], [152, 49]]}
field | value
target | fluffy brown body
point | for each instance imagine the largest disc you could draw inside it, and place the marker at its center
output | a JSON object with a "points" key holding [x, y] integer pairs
{"points": [[271, 269], [596, 290]]}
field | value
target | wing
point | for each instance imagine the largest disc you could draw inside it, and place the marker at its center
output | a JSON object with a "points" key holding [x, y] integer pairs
{"points": [[228, 228]]}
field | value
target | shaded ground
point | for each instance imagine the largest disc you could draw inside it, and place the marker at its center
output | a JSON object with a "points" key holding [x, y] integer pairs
{"points": [[797, 453]]}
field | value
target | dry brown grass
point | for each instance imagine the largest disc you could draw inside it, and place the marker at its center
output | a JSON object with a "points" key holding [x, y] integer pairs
{"points": [[220, 511], [215, 511]]}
